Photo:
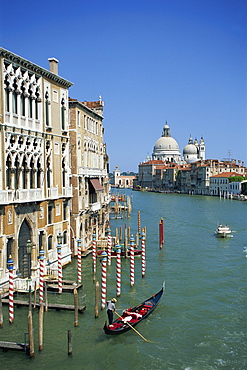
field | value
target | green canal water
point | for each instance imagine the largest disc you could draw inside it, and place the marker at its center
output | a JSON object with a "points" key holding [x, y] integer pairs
{"points": [[200, 322]]}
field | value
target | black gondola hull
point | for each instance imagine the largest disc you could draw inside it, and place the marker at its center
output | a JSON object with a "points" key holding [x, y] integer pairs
{"points": [[144, 309]]}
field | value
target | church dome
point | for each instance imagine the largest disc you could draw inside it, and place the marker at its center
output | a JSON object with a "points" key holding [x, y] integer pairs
{"points": [[166, 148], [190, 149], [165, 143]]}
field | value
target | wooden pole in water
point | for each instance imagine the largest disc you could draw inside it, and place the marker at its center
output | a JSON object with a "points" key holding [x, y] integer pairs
{"points": [[128, 234], [41, 316], [69, 342], [34, 295], [120, 234], [30, 326], [1, 311], [96, 299], [76, 306], [125, 241], [139, 223], [94, 252], [117, 238]]}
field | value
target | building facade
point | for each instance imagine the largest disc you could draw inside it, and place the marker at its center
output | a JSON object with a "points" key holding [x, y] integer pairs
{"points": [[122, 181], [34, 179], [89, 173]]}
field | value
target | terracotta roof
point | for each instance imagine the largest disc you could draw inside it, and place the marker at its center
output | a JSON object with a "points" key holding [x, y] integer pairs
{"points": [[227, 174]]}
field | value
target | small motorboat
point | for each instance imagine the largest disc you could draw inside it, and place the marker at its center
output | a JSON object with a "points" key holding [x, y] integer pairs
{"points": [[132, 316], [223, 231]]}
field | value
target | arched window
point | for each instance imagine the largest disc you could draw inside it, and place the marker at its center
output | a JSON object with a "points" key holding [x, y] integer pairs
{"points": [[8, 172], [7, 92]]}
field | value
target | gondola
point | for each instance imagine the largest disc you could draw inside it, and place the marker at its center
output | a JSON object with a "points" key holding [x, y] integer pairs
{"points": [[134, 315]]}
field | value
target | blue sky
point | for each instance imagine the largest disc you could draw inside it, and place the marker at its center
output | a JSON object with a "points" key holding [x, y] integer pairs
{"points": [[152, 61]]}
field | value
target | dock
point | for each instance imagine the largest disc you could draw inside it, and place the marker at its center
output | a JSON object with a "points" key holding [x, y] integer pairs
{"points": [[6, 346], [55, 306], [67, 285]]}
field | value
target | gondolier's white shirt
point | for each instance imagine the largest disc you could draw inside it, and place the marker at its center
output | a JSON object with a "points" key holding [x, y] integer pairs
{"points": [[111, 306]]}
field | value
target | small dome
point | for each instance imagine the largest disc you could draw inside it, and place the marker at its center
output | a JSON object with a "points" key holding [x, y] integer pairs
{"points": [[190, 149]]}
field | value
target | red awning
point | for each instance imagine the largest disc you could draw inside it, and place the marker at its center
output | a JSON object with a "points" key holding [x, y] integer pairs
{"points": [[96, 184]]}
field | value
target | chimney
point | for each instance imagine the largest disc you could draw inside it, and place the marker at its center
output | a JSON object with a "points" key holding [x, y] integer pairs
{"points": [[53, 65]]}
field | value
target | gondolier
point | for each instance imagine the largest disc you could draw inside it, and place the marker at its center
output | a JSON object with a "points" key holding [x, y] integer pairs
{"points": [[132, 316], [110, 308]]}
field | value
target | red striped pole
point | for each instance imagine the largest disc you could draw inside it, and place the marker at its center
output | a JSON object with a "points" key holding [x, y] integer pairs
{"points": [[94, 251], [109, 246], [10, 265], [132, 261], [118, 270], [161, 232], [79, 260], [103, 280], [60, 272], [143, 255], [41, 273]]}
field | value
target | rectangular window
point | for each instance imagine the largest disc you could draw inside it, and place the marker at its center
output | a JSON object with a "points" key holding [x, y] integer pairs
{"points": [[78, 118], [57, 209], [55, 96], [50, 214]]}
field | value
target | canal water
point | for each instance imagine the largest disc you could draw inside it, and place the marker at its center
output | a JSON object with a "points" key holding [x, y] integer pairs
{"points": [[200, 322]]}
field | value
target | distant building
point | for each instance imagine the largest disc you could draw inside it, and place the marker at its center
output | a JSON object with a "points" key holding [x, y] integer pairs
{"points": [[122, 181], [167, 171]]}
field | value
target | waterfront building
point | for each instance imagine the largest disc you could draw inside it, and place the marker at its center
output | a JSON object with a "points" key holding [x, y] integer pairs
{"points": [[34, 177], [122, 181], [89, 172], [221, 184]]}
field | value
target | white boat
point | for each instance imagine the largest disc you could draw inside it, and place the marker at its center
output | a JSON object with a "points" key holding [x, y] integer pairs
{"points": [[223, 231]]}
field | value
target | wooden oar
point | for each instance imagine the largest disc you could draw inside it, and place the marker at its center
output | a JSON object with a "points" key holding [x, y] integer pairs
{"points": [[146, 340]]}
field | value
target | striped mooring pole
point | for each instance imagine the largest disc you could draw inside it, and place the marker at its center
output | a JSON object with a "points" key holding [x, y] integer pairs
{"points": [[10, 265], [109, 246], [143, 255], [118, 269], [59, 263], [79, 260], [132, 261], [103, 280], [41, 273], [94, 251]]}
